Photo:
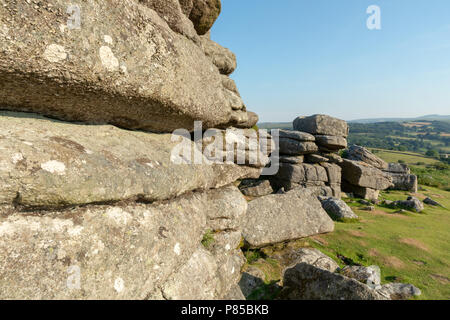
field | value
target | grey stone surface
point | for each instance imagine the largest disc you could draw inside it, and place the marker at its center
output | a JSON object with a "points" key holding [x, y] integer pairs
{"points": [[321, 125], [196, 280], [293, 147], [280, 217], [315, 158], [47, 163], [251, 279], [331, 142], [235, 293], [412, 203], [432, 202], [297, 135], [367, 275], [256, 188], [125, 66], [334, 172], [359, 153], [310, 256], [120, 252], [307, 282], [292, 159], [361, 174], [338, 209], [405, 182], [362, 192], [399, 291], [226, 210], [398, 168], [221, 57], [203, 13]]}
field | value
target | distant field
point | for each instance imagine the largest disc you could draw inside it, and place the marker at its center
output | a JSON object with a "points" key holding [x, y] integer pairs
{"points": [[410, 158]]}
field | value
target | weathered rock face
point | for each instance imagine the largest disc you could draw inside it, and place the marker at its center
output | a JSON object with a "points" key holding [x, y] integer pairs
{"points": [[362, 192], [412, 203], [399, 291], [313, 257], [331, 143], [398, 168], [406, 182], [338, 209], [321, 125], [280, 217], [402, 179], [124, 65], [366, 275], [307, 282], [363, 175], [46, 163], [256, 188], [203, 14], [121, 252], [295, 147], [291, 175], [358, 153], [432, 202], [222, 58]]}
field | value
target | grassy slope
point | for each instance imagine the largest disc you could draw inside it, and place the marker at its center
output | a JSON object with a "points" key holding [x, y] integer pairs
{"points": [[408, 247], [408, 157]]}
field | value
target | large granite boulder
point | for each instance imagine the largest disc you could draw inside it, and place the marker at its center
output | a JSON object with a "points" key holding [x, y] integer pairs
{"points": [[203, 13], [172, 12], [310, 256], [367, 275], [255, 188], [361, 174], [405, 182], [338, 209], [124, 251], [398, 168], [280, 217], [46, 163], [399, 291], [411, 203], [223, 58], [124, 66], [307, 282], [321, 125], [294, 147], [359, 153], [362, 192], [331, 143]]}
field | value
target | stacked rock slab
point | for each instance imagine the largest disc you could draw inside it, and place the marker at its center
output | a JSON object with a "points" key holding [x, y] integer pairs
{"points": [[112, 206], [307, 154], [402, 178], [143, 64], [89, 210], [282, 217], [362, 173]]}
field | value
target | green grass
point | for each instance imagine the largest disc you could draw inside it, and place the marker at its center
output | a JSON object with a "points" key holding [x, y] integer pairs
{"points": [[409, 247], [409, 157], [208, 239]]}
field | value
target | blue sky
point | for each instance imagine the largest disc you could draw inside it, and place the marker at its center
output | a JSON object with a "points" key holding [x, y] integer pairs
{"points": [[301, 57]]}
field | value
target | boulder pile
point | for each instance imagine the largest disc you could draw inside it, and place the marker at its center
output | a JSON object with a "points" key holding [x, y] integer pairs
{"points": [[402, 179], [108, 188], [362, 173], [308, 154], [97, 199]]}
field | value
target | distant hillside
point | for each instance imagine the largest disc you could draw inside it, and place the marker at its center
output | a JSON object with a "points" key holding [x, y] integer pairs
{"points": [[431, 117]]}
